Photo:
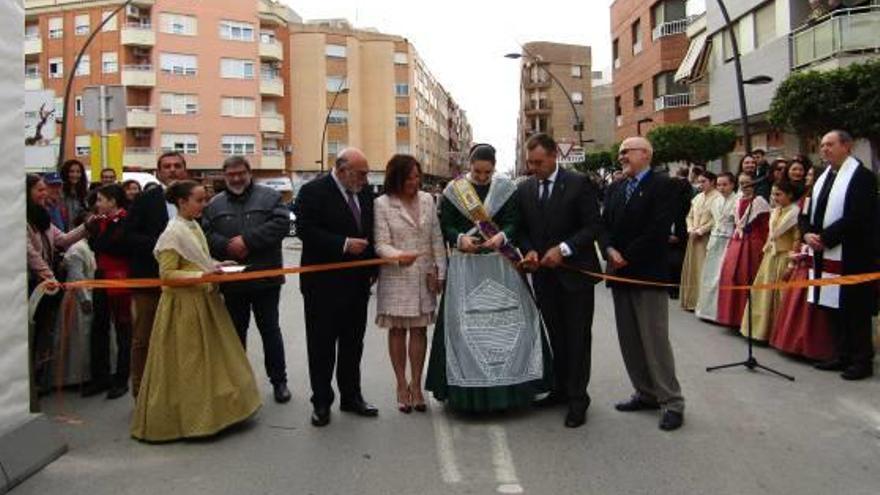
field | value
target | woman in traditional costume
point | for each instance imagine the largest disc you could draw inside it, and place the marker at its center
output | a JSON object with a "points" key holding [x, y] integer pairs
{"points": [[699, 225], [722, 209], [197, 380], [783, 236], [489, 351]]}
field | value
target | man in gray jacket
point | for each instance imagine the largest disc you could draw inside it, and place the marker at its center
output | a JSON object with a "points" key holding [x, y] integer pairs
{"points": [[247, 223]]}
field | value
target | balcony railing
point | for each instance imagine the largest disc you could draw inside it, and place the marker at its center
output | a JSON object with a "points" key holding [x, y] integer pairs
{"points": [[537, 83], [845, 30], [667, 102], [670, 28], [138, 68], [540, 106]]}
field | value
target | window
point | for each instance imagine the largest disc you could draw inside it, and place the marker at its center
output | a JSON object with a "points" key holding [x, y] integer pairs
{"points": [[401, 89], [111, 24], [178, 64], [81, 25], [338, 116], [577, 97], [32, 71], [336, 83], [184, 25], [335, 51], [236, 31], [269, 107], [234, 68], [618, 111], [59, 107], [402, 120], [82, 145], [179, 103], [109, 62], [765, 24], [238, 145], [637, 96], [56, 68], [576, 71], [267, 37], [637, 37], [403, 148], [78, 106], [401, 58], [183, 143], [615, 53], [84, 67], [664, 84], [56, 28], [31, 31], [334, 147], [235, 106]]}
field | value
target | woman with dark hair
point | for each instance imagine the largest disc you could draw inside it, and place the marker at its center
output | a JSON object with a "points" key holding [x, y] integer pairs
{"points": [[699, 226], [782, 237], [406, 225], [796, 173], [488, 352], [722, 228], [44, 240], [197, 379], [74, 190], [778, 170], [132, 190]]}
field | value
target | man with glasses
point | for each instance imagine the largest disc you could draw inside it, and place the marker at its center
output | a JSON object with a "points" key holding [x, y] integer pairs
{"points": [[247, 223], [638, 214], [335, 223]]}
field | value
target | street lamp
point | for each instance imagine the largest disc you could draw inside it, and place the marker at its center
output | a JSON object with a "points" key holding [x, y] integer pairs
{"points": [[578, 123], [327, 123], [639, 124]]}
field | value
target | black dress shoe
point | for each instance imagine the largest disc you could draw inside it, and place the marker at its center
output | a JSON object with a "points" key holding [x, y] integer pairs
{"points": [[832, 365], [281, 392], [671, 420], [95, 388], [636, 404], [359, 407], [576, 416], [321, 416], [857, 372], [117, 391]]}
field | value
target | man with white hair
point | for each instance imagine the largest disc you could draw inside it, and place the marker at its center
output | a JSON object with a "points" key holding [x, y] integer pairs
{"points": [[639, 212], [334, 215]]}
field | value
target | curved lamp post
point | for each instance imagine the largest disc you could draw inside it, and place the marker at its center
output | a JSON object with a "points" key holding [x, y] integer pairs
{"points": [[336, 94]]}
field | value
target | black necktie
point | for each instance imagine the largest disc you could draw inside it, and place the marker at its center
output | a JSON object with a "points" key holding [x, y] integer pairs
{"points": [[355, 209], [822, 200], [545, 192]]}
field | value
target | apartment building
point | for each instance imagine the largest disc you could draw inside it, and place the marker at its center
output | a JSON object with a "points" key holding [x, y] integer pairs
{"points": [[555, 94], [203, 78], [363, 88], [648, 45]]}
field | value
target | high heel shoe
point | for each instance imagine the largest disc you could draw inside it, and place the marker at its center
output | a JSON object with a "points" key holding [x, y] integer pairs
{"points": [[403, 404], [419, 406]]}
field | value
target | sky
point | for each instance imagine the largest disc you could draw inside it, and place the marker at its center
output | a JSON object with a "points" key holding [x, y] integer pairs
{"points": [[464, 42]]}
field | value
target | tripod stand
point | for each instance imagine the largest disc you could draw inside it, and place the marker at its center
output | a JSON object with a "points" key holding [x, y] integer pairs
{"points": [[751, 362]]}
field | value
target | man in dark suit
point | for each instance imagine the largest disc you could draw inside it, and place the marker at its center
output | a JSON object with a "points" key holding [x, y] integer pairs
{"points": [[638, 215], [146, 221], [335, 222], [559, 222], [840, 228]]}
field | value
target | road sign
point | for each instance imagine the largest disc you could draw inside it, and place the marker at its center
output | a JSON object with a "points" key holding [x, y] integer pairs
{"points": [[564, 149], [113, 111], [575, 155]]}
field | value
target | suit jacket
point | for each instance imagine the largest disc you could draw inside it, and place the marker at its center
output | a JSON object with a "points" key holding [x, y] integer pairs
{"points": [[571, 215], [146, 221], [639, 229], [324, 221]]}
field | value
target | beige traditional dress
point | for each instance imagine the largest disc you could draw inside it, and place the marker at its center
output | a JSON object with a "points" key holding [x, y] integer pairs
{"points": [[780, 242], [699, 224]]}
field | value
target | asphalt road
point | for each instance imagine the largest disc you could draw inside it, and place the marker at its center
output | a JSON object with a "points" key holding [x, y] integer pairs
{"points": [[745, 433]]}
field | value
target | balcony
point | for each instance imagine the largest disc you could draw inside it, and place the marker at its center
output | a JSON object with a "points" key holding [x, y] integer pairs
{"points": [[540, 107], [670, 28], [33, 81], [139, 75], [33, 45], [137, 34], [699, 92], [139, 157], [272, 123], [530, 84], [668, 102], [140, 118], [272, 160], [843, 32], [271, 85], [272, 50]]}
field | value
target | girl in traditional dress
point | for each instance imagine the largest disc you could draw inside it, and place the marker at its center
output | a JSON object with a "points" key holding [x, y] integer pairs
{"points": [[489, 352], [783, 236], [197, 380], [743, 255], [722, 209], [699, 225]]}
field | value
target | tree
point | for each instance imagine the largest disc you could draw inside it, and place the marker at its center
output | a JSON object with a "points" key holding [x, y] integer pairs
{"points": [[691, 143]]}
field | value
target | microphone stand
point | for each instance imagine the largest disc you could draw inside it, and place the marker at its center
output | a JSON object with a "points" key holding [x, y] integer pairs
{"points": [[751, 362]]}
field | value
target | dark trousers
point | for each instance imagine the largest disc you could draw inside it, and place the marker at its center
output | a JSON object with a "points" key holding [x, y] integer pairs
{"points": [[264, 304], [335, 326], [568, 316], [107, 308], [852, 333]]}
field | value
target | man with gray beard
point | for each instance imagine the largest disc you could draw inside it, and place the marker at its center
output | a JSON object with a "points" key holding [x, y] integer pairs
{"points": [[247, 223]]}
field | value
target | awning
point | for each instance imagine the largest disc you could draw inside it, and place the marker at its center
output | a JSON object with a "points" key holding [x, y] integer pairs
{"points": [[694, 61]]}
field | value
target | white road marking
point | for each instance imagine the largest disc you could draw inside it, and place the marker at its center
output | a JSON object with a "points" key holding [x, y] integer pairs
{"points": [[445, 448], [502, 459]]}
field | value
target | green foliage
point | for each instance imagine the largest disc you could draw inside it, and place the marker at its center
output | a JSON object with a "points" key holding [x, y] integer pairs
{"points": [[691, 143], [595, 161]]}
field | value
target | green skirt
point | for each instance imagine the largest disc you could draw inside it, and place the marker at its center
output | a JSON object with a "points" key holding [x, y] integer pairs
{"points": [[481, 399]]}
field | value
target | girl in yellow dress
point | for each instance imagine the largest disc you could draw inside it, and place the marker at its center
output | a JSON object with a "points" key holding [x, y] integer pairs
{"points": [[197, 380]]}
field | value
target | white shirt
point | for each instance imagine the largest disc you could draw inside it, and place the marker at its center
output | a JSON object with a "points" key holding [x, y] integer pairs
{"points": [[170, 208]]}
